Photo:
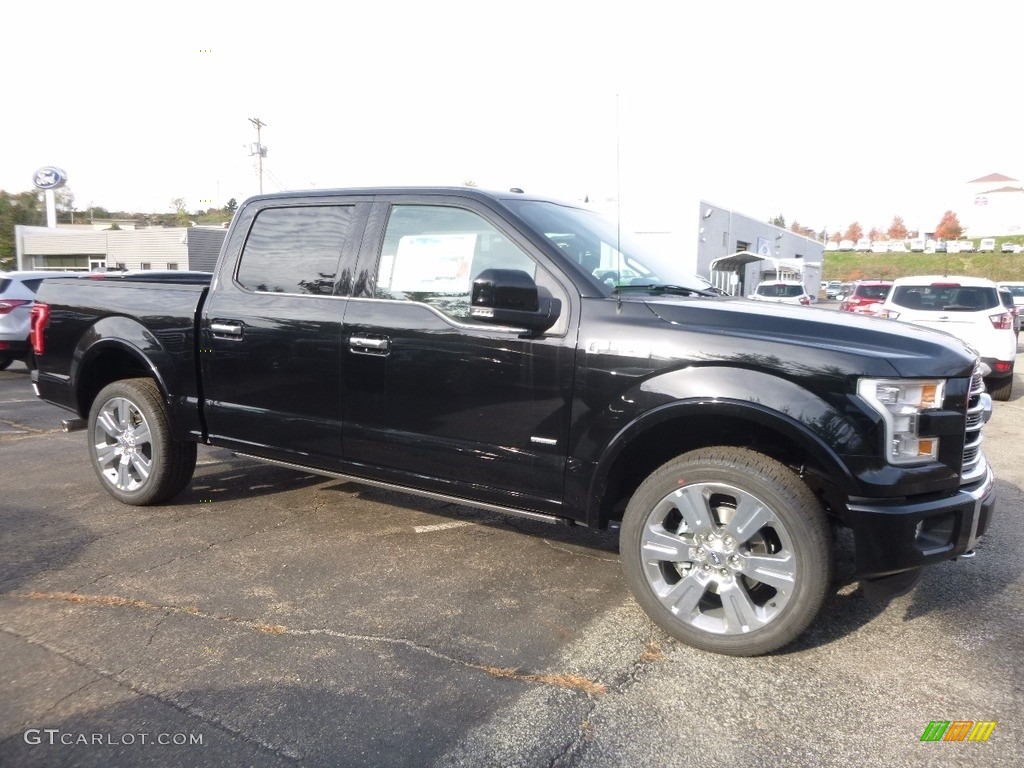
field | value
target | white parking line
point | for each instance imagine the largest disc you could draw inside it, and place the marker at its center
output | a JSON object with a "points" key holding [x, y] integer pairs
{"points": [[439, 527]]}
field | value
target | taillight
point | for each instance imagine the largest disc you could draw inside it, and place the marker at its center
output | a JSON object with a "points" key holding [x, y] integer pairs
{"points": [[40, 319], [9, 305], [1002, 322]]}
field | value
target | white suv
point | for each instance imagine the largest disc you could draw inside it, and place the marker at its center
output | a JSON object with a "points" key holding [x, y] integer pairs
{"points": [[17, 295], [1016, 290], [968, 308], [782, 292]]}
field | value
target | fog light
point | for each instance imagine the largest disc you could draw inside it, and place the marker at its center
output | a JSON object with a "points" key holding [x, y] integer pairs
{"points": [[934, 534]]}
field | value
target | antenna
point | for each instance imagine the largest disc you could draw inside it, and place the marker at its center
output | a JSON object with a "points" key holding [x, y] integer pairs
{"points": [[618, 211]]}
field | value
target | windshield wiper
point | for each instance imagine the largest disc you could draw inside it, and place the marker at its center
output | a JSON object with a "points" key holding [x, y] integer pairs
{"points": [[680, 290]]}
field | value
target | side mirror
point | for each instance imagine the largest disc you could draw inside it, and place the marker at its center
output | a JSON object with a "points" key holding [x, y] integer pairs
{"points": [[510, 297]]}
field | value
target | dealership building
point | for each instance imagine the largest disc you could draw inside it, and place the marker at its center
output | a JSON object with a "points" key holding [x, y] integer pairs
{"points": [[97, 247], [736, 252]]}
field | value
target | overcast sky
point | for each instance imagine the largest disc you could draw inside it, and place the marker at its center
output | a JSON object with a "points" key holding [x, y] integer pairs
{"points": [[824, 112]]}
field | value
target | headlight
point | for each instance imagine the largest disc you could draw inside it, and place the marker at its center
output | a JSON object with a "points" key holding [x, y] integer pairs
{"points": [[900, 402]]}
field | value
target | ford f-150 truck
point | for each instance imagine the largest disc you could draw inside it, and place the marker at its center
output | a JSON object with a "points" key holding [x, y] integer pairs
{"points": [[522, 355]]}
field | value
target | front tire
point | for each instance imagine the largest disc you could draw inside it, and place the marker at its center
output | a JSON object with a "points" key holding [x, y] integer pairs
{"points": [[130, 444], [727, 550]]}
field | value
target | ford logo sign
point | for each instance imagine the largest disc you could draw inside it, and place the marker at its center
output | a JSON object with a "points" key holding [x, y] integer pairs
{"points": [[49, 177]]}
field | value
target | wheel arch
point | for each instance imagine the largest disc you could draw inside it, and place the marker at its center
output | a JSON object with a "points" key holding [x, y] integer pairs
{"points": [[678, 427], [114, 349]]}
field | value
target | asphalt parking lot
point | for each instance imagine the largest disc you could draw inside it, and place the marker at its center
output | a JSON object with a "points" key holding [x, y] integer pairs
{"points": [[270, 618]]}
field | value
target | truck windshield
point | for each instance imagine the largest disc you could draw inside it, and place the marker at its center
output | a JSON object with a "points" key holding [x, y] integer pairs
{"points": [[616, 260]]}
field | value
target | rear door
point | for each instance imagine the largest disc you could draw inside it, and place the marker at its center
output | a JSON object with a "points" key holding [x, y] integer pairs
{"points": [[440, 401], [271, 351]]}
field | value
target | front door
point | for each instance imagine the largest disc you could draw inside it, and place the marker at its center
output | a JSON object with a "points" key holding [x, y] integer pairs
{"points": [[442, 402]]}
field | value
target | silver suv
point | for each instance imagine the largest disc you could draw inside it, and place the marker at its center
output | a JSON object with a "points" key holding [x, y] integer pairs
{"points": [[17, 295]]}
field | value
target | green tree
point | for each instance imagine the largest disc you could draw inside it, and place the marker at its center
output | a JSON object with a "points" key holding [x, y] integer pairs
{"points": [[180, 211], [778, 221], [18, 208], [232, 204]]}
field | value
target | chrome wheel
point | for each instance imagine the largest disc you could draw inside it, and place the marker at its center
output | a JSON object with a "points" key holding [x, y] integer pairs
{"points": [[718, 558], [123, 444], [727, 550], [132, 445]]}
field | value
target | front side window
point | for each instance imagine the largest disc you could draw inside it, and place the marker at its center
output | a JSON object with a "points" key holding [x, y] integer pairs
{"points": [[432, 254], [295, 250]]}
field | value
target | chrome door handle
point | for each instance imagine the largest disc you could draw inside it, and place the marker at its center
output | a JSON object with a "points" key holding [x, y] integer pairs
{"points": [[226, 329], [369, 346]]}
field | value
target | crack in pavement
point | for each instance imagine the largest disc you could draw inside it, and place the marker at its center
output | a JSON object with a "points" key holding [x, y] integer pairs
{"points": [[580, 554], [286, 751], [559, 680]]}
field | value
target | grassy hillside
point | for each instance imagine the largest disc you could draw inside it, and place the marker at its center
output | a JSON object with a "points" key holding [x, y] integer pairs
{"points": [[859, 266]]}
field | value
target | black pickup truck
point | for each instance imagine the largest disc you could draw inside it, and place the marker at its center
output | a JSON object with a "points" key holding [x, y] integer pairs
{"points": [[522, 355]]}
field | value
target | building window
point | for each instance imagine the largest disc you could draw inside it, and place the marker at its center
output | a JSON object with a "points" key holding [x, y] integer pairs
{"points": [[172, 265], [741, 246], [145, 265]]}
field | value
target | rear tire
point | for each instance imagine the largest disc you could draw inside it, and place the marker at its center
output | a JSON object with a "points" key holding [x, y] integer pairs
{"points": [[1000, 389], [130, 444], [5, 362], [727, 550]]}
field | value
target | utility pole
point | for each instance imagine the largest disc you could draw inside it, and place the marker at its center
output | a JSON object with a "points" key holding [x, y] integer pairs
{"points": [[258, 149]]}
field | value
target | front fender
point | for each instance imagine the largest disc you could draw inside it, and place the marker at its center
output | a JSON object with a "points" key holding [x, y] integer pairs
{"points": [[702, 395]]}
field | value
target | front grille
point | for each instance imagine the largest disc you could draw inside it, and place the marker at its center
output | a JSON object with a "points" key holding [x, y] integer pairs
{"points": [[973, 466]]}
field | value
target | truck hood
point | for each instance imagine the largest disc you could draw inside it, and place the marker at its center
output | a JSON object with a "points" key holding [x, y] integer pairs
{"points": [[911, 351]]}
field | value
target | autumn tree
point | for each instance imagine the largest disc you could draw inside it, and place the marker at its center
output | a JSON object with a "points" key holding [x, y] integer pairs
{"points": [[800, 229], [876, 234], [949, 228], [897, 230], [854, 232]]}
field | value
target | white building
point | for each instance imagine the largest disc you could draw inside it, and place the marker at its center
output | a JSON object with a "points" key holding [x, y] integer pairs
{"points": [[83, 248], [993, 206]]}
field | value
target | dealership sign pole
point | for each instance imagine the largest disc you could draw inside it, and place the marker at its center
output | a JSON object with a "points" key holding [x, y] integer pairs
{"points": [[48, 178]]}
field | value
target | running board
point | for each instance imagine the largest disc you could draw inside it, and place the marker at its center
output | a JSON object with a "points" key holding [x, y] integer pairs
{"points": [[552, 519]]}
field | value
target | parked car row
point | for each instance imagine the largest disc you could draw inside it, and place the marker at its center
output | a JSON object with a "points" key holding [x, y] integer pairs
{"points": [[922, 245]]}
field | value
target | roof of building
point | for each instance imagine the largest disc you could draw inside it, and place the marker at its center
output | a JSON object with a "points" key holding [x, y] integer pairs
{"points": [[992, 177]]}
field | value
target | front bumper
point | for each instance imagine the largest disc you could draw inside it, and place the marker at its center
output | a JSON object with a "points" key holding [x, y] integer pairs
{"points": [[913, 533]]}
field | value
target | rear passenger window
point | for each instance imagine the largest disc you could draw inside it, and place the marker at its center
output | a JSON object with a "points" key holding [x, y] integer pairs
{"points": [[295, 250]]}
